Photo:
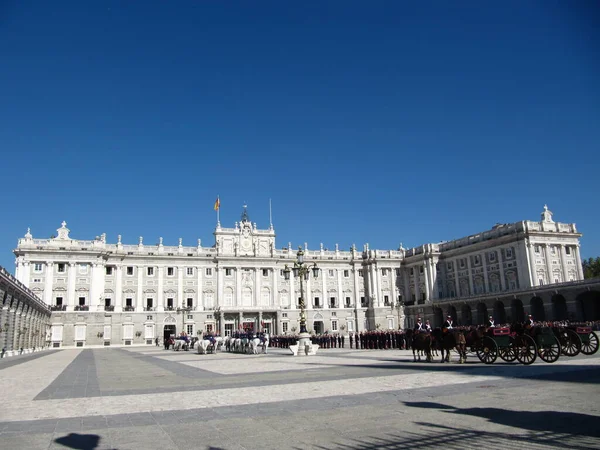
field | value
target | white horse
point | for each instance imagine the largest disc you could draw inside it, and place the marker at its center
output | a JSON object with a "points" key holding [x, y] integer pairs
{"points": [[205, 344], [180, 344], [256, 342]]}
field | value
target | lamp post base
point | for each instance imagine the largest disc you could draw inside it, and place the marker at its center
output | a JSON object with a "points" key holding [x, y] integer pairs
{"points": [[304, 347]]}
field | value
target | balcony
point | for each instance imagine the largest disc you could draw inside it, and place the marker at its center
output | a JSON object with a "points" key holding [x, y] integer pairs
{"points": [[109, 307], [58, 308], [82, 308], [318, 306], [128, 308], [149, 308], [169, 308], [333, 305]]}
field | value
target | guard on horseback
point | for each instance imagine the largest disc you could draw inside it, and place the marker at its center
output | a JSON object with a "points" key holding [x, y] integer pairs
{"points": [[448, 324], [427, 326], [419, 325]]}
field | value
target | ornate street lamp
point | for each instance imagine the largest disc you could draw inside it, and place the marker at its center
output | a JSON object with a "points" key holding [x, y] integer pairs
{"points": [[302, 270]]}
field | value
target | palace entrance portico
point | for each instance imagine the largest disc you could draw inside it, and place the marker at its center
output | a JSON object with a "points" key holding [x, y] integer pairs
{"points": [[252, 321]]}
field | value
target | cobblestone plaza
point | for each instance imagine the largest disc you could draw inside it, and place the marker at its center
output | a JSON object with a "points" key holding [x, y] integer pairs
{"points": [[149, 398]]}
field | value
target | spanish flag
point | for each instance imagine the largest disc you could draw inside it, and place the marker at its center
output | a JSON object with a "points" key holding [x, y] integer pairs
{"points": [[217, 204]]}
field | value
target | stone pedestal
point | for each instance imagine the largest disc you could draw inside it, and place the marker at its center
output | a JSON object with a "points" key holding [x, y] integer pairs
{"points": [[304, 346]]}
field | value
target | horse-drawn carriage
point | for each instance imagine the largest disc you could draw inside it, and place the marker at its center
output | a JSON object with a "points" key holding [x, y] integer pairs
{"points": [[489, 343]]}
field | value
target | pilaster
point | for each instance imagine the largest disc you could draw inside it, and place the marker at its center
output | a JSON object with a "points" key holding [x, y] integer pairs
{"points": [[48, 282], [119, 288], [71, 287]]}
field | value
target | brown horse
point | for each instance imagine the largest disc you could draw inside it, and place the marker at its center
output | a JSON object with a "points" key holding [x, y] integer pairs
{"points": [[449, 340], [421, 341]]}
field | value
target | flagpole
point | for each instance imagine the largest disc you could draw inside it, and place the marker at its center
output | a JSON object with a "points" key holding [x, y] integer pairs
{"points": [[270, 216], [218, 211]]}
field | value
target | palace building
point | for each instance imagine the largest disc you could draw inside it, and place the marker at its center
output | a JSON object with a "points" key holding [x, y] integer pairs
{"points": [[105, 294]]}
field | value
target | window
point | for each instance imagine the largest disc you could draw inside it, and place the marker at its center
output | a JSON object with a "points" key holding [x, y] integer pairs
{"points": [[150, 271], [37, 280], [61, 267], [317, 302], [330, 272], [477, 259], [332, 302], [384, 272], [361, 273], [536, 248], [509, 253], [59, 301], [398, 272], [227, 272], [347, 302], [190, 329], [149, 302], [553, 249], [412, 270], [334, 314], [449, 266], [170, 303], [208, 272], [148, 317], [461, 263], [284, 327], [209, 316], [556, 280], [420, 269], [81, 301], [209, 327], [541, 281], [129, 271], [83, 268], [189, 271], [346, 273], [189, 302], [37, 267], [493, 256], [190, 317], [109, 270], [265, 272], [128, 302], [170, 271], [386, 300], [107, 301], [334, 325], [363, 302], [350, 326]]}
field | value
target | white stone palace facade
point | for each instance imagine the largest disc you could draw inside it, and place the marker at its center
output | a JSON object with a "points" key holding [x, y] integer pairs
{"points": [[120, 294]]}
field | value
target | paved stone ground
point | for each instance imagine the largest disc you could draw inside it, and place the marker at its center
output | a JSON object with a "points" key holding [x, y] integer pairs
{"points": [[149, 398]]}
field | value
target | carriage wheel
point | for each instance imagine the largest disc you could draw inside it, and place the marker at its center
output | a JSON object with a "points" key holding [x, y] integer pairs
{"points": [[570, 342], [550, 353], [591, 345], [488, 352], [508, 354], [525, 349]]}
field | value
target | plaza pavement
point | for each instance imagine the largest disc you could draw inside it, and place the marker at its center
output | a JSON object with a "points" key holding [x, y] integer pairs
{"points": [[149, 398]]}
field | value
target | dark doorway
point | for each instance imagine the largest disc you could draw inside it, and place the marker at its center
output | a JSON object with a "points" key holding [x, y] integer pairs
{"points": [[318, 325], [559, 308], [482, 314], [169, 331]]}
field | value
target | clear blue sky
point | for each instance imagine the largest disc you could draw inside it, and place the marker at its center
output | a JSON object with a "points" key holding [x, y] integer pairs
{"points": [[378, 122]]}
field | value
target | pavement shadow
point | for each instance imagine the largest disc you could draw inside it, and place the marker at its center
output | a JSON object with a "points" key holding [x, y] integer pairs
{"points": [[430, 435], [539, 421], [79, 441]]}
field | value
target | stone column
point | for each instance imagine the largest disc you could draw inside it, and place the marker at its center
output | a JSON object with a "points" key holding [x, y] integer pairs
{"points": [[456, 278], [71, 301], [238, 287], [532, 264], [199, 300], [139, 301], [119, 288], [417, 281], [470, 274], [222, 323], [379, 286], [426, 277], [578, 262], [240, 320], [501, 270], [342, 300], [293, 295], [563, 263], [94, 289], [486, 283], [548, 263], [260, 321], [257, 279], [180, 299], [48, 283], [160, 295]]}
